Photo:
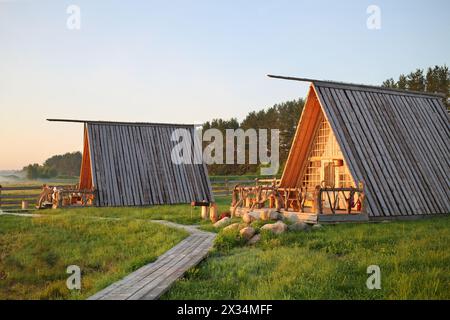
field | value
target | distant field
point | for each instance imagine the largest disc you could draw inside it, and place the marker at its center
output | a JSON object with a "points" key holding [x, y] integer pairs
{"points": [[328, 263]]}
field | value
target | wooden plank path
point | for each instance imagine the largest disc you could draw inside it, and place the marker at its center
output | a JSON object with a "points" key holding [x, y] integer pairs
{"points": [[153, 279]]}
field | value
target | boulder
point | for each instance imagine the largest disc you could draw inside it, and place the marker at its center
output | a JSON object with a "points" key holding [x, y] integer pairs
{"points": [[293, 218], [255, 215], [248, 218], [222, 222], [254, 239], [317, 226], [233, 227], [276, 228], [247, 233], [298, 226], [265, 215], [275, 215]]}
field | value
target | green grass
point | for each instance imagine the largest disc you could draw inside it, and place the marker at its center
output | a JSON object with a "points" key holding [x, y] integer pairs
{"points": [[182, 213], [35, 253], [327, 263]]}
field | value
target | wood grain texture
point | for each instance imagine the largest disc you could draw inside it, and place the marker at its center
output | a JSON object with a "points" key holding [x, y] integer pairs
{"points": [[131, 165]]}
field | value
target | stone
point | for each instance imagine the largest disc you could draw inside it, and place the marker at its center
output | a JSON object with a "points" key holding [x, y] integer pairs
{"points": [[247, 233], [233, 227], [298, 226], [255, 215], [247, 218], [276, 228], [254, 239], [293, 218], [265, 215], [276, 216], [317, 226], [222, 222]]}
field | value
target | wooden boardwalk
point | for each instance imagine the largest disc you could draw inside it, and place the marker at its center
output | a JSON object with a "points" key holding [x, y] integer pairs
{"points": [[152, 280]]}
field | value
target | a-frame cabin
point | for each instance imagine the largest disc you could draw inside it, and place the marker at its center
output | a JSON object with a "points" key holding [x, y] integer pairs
{"points": [[396, 142], [387, 149], [130, 164]]}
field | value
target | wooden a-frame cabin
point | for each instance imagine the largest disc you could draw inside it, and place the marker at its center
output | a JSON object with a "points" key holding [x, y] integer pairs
{"points": [[130, 164], [362, 152]]}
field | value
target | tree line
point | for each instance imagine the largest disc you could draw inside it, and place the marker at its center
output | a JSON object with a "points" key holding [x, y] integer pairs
{"points": [[283, 116], [66, 165], [435, 80]]}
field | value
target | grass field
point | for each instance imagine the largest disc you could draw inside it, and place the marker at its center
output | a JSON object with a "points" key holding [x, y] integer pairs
{"points": [[35, 253], [328, 263]]}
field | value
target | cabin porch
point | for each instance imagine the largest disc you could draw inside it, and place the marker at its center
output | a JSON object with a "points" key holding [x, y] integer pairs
{"points": [[318, 205]]}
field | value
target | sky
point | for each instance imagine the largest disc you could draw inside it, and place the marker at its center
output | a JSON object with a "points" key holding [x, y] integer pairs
{"points": [[190, 61]]}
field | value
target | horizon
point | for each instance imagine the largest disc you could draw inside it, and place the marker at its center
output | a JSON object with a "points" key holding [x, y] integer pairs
{"points": [[179, 62]]}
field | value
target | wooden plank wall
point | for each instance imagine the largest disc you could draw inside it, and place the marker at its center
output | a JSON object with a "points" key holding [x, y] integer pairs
{"points": [[86, 171], [302, 142], [132, 166], [397, 143]]}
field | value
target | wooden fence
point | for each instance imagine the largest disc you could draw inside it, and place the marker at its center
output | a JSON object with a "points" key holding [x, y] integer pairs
{"points": [[224, 187], [11, 197]]}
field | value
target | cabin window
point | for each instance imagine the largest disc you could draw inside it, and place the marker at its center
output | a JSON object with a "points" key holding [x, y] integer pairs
{"points": [[323, 162], [325, 145], [345, 179], [312, 174]]}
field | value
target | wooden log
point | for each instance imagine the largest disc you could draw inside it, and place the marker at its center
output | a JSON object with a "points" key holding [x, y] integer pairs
{"points": [[213, 212], [204, 212], [24, 205], [317, 204]]}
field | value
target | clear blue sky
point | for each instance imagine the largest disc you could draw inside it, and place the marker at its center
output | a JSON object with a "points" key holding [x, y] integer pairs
{"points": [[191, 61]]}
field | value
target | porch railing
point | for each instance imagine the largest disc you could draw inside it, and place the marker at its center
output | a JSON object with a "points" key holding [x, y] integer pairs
{"points": [[318, 200]]}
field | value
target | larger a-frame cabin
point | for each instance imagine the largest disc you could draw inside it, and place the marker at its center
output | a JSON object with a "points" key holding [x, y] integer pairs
{"points": [[362, 152]]}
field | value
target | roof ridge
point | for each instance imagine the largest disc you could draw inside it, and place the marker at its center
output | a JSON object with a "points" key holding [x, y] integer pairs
{"points": [[360, 86], [124, 123]]}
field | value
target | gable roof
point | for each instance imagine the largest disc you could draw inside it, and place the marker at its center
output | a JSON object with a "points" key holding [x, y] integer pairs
{"points": [[130, 164], [396, 142]]}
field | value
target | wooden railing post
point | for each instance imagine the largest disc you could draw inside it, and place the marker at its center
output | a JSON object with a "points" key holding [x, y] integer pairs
{"points": [[317, 204], [227, 187]]}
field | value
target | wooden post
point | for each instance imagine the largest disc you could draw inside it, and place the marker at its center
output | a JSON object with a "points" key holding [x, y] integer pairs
{"points": [[317, 205], [24, 205], [213, 214], [204, 212], [227, 187], [362, 197]]}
